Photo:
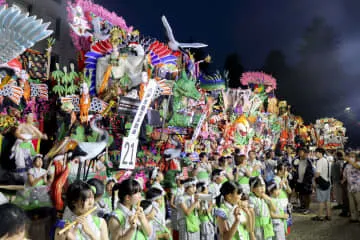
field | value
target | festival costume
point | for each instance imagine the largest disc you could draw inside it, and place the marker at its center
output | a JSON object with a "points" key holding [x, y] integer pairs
{"points": [[189, 226], [177, 193], [33, 197], [92, 221], [226, 212], [263, 225], [283, 200], [244, 180], [122, 214], [159, 223], [280, 225], [207, 227]]}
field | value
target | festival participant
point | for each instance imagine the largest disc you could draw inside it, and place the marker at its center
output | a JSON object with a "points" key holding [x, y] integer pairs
{"points": [[281, 179], [224, 166], [128, 220], [288, 156], [323, 188], [156, 177], [189, 224], [150, 213], [159, 230], [174, 201], [36, 191], [37, 176], [12, 222], [278, 215], [349, 157], [218, 178], [255, 165], [352, 176], [269, 167], [262, 204], [336, 178], [242, 173], [80, 199], [304, 175], [108, 192], [203, 168], [207, 229], [98, 189], [233, 222]]}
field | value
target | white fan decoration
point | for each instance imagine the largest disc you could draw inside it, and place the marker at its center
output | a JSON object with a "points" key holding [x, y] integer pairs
{"points": [[18, 32]]}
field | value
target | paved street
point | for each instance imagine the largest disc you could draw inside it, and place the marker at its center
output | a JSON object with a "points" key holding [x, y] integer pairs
{"points": [[337, 229]]}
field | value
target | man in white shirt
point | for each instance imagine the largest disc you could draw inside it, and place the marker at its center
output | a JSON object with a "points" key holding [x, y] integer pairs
{"points": [[323, 195]]}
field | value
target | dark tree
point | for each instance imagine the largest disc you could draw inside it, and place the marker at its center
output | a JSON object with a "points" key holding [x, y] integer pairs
{"points": [[235, 69]]}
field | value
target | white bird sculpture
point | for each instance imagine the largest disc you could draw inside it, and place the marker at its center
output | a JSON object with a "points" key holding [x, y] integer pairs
{"points": [[175, 45], [93, 149], [18, 32]]}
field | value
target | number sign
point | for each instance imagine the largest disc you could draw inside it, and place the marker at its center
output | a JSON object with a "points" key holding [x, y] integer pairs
{"points": [[128, 153]]}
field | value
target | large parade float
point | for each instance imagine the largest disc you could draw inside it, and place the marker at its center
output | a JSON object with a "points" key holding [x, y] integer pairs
{"points": [[131, 103]]}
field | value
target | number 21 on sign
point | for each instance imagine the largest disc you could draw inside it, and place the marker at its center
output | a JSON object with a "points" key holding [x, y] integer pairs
{"points": [[128, 153]]}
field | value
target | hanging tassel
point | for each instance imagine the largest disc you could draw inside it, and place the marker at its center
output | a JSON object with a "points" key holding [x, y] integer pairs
{"points": [[38, 145]]}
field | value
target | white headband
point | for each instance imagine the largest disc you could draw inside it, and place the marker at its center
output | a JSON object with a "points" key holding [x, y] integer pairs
{"points": [[261, 181], [157, 197], [188, 184], [148, 209], [179, 176]]}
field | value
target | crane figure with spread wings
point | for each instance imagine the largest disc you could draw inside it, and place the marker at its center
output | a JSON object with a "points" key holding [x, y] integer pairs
{"points": [[175, 45]]}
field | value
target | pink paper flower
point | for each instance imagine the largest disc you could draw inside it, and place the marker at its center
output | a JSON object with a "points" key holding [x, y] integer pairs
{"points": [[258, 78]]}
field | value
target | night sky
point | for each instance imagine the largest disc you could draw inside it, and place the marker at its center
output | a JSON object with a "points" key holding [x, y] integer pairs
{"points": [[253, 28]]}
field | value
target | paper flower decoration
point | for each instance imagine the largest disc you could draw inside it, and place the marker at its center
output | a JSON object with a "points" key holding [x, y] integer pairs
{"points": [[258, 78], [83, 18], [18, 32]]}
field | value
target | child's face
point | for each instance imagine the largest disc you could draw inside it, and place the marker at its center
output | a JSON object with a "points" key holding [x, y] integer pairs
{"points": [[160, 177], [82, 207], [206, 190], [219, 179], [275, 193], [135, 199], [233, 198], [191, 190], [109, 187], [259, 190], [38, 163]]}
